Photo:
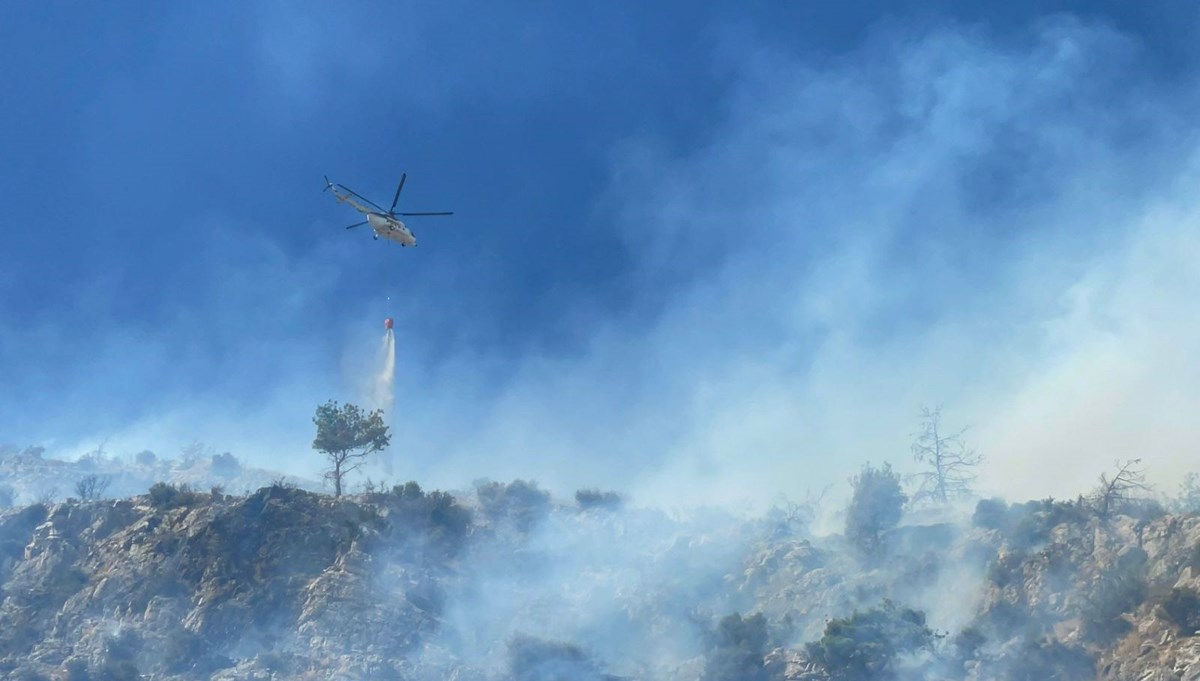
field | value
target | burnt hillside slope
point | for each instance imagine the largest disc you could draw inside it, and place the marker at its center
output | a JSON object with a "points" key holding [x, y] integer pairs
{"points": [[505, 583]]}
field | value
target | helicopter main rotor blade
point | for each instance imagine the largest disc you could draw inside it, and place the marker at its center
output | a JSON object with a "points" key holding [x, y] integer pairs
{"points": [[355, 194], [357, 224], [396, 198], [439, 213]]}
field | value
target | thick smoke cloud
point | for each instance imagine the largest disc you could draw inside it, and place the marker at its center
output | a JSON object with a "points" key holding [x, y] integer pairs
{"points": [[934, 217]]}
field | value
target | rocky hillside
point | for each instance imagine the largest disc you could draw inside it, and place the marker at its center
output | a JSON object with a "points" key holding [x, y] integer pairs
{"points": [[505, 583]]}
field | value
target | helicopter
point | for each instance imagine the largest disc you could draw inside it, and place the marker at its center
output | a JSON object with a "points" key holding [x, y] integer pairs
{"points": [[384, 222]]}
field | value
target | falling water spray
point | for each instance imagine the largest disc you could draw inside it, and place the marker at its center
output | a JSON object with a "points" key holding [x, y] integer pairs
{"points": [[382, 389]]}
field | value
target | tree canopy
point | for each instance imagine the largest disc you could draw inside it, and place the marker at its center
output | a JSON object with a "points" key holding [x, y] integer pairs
{"points": [[869, 645], [347, 435], [875, 508]]}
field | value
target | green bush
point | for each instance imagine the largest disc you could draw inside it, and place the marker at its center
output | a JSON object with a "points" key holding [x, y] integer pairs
{"points": [[990, 514], [594, 498], [436, 514], [867, 645], [738, 647], [165, 496], [1030, 523], [225, 465], [875, 508], [519, 502]]}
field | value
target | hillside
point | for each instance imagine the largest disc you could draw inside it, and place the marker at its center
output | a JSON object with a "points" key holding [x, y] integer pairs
{"points": [[28, 475], [506, 583]]}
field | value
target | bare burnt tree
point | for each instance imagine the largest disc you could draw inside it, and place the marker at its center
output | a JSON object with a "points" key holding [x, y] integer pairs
{"points": [[1127, 484], [47, 496], [789, 517], [949, 462], [92, 487]]}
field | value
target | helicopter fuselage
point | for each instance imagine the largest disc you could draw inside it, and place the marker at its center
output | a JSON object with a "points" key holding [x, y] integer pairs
{"points": [[390, 228], [384, 225]]}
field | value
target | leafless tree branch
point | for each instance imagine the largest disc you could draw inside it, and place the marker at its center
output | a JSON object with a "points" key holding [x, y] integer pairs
{"points": [[951, 464]]}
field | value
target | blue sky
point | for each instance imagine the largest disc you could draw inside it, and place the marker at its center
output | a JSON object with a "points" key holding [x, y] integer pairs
{"points": [[714, 249]]}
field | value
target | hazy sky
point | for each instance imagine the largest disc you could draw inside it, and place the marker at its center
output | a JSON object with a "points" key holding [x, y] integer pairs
{"points": [[700, 252]]}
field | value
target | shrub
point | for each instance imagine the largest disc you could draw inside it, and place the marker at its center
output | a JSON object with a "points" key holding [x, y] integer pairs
{"points": [[1030, 523], [520, 502], [1117, 591], [867, 645], [534, 659], [875, 508], [437, 514], [92, 487], [990, 514], [738, 648], [1181, 607], [1007, 570], [594, 498], [446, 515], [225, 465], [164, 496], [408, 491]]}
